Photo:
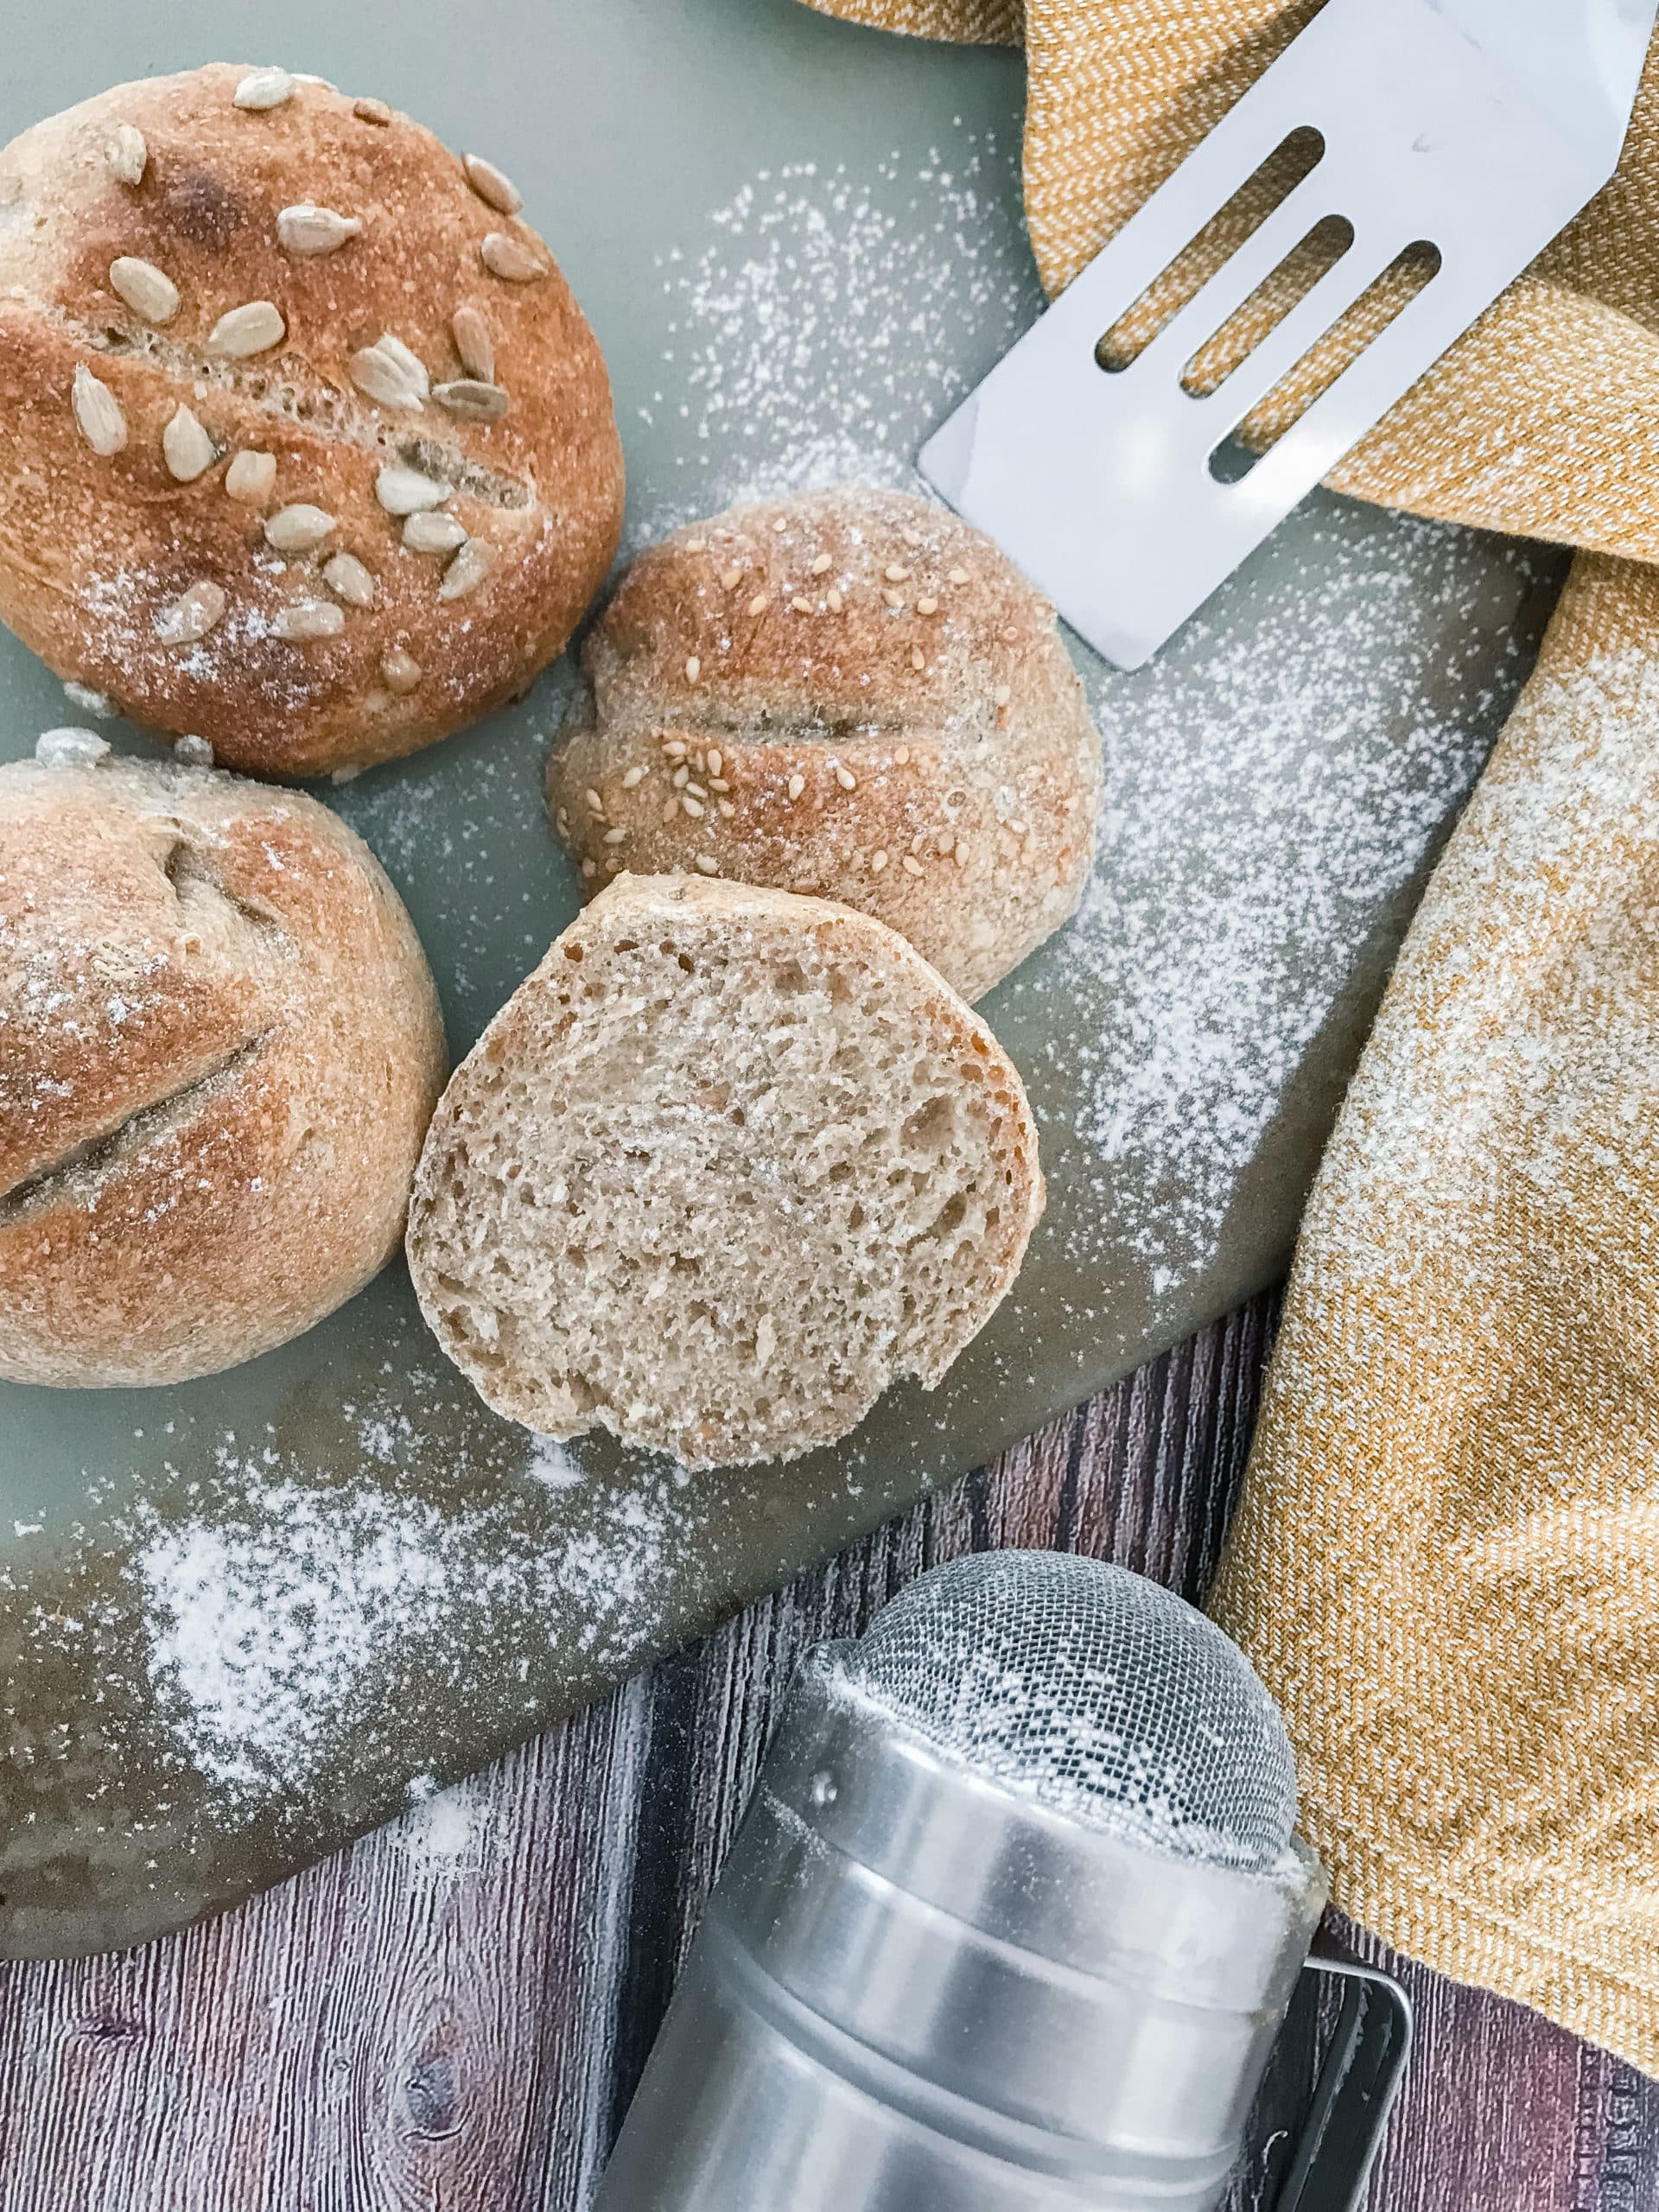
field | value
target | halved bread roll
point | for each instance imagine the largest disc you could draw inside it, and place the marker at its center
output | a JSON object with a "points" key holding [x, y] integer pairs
{"points": [[727, 1164]]}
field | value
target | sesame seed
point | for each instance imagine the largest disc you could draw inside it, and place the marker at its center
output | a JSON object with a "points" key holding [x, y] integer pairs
{"points": [[311, 232], [370, 110], [634, 777], [589, 870], [730, 578], [878, 861], [697, 545], [254, 328], [186, 447], [947, 846], [564, 817], [918, 841], [473, 343], [780, 525], [823, 565], [718, 783], [911, 536], [681, 777], [1002, 694], [348, 579], [595, 805], [836, 602], [675, 748], [927, 606], [959, 575], [797, 786], [912, 866], [726, 808], [693, 668], [802, 606], [893, 598], [1017, 830], [127, 154], [697, 791], [962, 852], [902, 756], [671, 811], [615, 837], [707, 864], [309, 618], [896, 573], [846, 778], [401, 669], [97, 413], [692, 806], [758, 604], [919, 658], [299, 528], [716, 760], [149, 291]]}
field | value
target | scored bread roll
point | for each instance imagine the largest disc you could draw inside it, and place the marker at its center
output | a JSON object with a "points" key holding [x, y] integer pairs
{"points": [[728, 1164], [219, 1047], [305, 447], [851, 693]]}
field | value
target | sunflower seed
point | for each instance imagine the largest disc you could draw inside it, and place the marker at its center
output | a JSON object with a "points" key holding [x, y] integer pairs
{"points": [[510, 258], [372, 112], [254, 328], [148, 291], [308, 230], [191, 616], [474, 343], [298, 529], [127, 154], [99, 412], [265, 88], [251, 477], [347, 578], [474, 401], [386, 375], [89, 702], [491, 186], [407, 492], [472, 564], [308, 619], [185, 447], [70, 748], [195, 752], [433, 533], [401, 669]]}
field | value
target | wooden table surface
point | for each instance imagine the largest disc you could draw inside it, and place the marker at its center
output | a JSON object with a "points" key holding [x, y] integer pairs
{"points": [[451, 2017]]}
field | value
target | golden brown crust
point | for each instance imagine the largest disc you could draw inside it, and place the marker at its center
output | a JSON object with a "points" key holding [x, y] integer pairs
{"points": [[219, 1047], [98, 547], [882, 710]]}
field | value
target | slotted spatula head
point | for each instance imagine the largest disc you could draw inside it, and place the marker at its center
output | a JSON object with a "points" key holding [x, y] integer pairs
{"points": [[1451, 137]]}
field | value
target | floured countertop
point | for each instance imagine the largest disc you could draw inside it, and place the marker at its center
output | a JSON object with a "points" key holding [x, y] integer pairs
{"points": [[244, 1620]]}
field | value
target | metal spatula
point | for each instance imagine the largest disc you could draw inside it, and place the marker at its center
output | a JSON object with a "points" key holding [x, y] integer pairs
{"points": [[1472, 129]]}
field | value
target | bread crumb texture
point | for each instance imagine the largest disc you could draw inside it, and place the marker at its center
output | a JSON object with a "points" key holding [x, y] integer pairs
{"points": [[219, 1048], [226, 319], [850, 693], [727, 1164]]}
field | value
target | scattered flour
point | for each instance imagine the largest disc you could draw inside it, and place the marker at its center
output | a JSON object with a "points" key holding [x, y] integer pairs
{"points": [[288, 1617]]}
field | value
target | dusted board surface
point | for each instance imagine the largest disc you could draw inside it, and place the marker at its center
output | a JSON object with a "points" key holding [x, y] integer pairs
{"points": [[238, 1619]]}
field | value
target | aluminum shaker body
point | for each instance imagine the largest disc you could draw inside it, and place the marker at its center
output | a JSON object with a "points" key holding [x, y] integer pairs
{"points": [[918, 1991]]}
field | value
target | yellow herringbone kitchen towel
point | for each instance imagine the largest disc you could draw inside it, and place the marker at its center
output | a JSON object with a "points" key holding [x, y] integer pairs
{"points": [[1447, 1561]]}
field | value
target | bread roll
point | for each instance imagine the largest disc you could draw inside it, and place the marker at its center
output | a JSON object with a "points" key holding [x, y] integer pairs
{"points": [[728, 1164], [850, 693], [230, 302], [220, 1046]]}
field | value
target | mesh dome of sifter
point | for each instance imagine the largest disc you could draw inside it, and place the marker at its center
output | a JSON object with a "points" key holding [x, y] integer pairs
{"points": [[1094, 1691]]}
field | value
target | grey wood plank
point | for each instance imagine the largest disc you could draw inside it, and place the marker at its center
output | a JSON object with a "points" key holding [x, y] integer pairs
{"points": [[454, 2014]]}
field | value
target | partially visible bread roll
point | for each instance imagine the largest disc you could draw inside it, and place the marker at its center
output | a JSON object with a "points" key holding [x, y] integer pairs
{"points": [[851, 693], [726, 1166], [219, 1047], [305, 447]]}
